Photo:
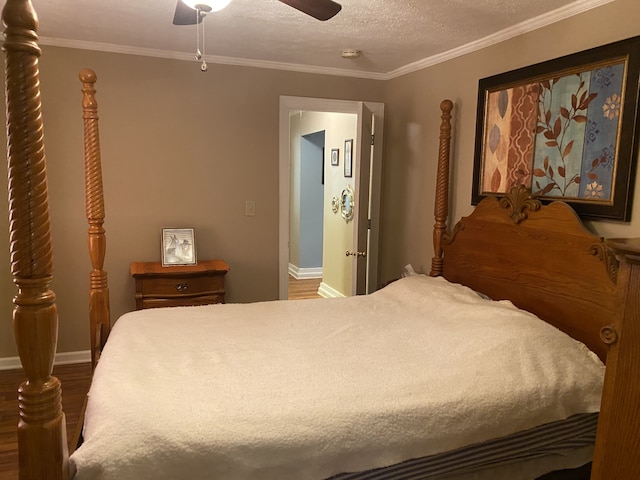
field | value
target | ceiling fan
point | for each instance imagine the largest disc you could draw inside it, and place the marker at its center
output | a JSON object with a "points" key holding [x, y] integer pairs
{"points": [[188, 11]]}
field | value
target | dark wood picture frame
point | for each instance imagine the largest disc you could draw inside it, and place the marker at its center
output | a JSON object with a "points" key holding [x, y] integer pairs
{"points": [[335, 157], [565, 128], [322, 167], [348, 158]]}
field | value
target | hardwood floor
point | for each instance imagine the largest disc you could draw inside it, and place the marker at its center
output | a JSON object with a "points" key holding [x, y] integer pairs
{"points": [[303, 288], [75, 384]]}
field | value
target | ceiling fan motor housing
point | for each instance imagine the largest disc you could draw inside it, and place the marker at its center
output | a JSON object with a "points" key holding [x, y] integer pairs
{"points": [[207, 5], [185, 13]]}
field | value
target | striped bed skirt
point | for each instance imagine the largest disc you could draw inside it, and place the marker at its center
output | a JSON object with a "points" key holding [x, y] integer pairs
{"points": [[559, 438]]}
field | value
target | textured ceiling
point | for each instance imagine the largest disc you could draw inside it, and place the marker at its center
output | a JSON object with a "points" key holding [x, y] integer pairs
{"points": [[395, 36]]}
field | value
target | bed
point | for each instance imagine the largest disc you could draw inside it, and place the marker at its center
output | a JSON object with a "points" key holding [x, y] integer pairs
{"points": [[518, 274]]}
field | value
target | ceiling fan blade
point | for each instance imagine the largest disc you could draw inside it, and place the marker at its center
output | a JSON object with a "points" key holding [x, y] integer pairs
{"points": [[185, 15], [320, 9]]}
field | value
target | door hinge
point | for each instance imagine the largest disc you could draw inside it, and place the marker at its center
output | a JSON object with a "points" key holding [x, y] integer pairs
{"points": [[372, 138], [369, 223]]}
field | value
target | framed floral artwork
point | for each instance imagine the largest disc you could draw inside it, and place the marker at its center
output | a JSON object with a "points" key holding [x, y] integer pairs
{"points": [[566, 129]]}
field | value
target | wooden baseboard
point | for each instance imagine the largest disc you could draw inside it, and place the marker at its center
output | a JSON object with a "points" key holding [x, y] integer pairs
{"points": [[62, 358]]}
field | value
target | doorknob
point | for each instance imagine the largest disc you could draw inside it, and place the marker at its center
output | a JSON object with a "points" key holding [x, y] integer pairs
{"points": [[349, 253]]}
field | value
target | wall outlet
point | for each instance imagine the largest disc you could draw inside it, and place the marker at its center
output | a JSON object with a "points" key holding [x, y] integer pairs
{"points": [[250, 208]]}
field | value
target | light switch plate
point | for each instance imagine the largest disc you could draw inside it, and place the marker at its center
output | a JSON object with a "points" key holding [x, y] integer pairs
{"points": [[250, 208]]}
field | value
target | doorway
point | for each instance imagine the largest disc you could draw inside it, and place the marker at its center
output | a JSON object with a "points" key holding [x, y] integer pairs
{"points": [[291, 110], [306, 205]]}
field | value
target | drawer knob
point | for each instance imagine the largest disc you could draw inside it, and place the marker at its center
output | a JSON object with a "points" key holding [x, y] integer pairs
{"points": [[181, 287]]}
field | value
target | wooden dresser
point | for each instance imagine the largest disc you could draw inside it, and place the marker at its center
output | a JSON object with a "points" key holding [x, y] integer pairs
{"points": [[179, 285]]}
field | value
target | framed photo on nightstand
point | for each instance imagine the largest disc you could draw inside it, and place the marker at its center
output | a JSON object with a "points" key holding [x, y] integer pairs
{"points": [[178, 246]]}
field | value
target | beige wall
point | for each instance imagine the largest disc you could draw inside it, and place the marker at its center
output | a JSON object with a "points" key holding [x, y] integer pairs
{"points": [[185, 148], [411, 136], [337, 269], [179, 148]]}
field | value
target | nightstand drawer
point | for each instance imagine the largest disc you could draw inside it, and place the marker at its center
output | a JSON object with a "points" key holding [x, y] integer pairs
{"points": [[182, 285], [182, 301], [175, 286]]}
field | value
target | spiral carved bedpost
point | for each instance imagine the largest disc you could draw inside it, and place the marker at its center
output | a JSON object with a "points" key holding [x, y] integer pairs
{"points": [[42, 441], [441, 208], [99, 316]]}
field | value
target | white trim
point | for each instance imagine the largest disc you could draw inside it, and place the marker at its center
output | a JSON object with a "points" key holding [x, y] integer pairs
{"points": [[501, 36], [64, 358], [326, 291], [548, 18], [298, 273], [220, 59]]}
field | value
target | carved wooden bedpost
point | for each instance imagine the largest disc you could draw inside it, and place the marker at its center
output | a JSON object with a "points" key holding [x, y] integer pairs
{"points": [[441, 208], [99, 317], [616, 454], [42, 441]]}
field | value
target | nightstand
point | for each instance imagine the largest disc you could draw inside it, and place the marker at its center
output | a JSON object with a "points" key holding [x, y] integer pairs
{"points": [[178, 285]]}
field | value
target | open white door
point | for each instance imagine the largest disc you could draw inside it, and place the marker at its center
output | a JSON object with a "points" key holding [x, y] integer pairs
{"points": [[361, 251], [368, 193]]}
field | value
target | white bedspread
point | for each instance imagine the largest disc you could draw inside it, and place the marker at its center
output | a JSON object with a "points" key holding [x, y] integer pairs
{"points": [[310, 388]]}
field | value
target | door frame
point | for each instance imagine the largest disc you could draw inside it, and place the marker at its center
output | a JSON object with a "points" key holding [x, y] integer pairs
{"points": [[290, 104]]}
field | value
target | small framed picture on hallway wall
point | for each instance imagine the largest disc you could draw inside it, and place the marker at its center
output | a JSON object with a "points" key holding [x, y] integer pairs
{"points": [[335, 157]]}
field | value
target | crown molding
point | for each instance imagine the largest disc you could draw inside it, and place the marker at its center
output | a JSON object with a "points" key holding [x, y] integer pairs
{"points": [[524, 27], [219, 59], [549, 18]]}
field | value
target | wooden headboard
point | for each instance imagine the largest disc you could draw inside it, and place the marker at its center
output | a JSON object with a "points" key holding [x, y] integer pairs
{"points": [[540, 257], [544, 260]]}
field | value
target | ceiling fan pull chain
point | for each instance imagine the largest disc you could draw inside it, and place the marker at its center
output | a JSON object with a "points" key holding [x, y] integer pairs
{"points": [[198, 52], [203, 65]]}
